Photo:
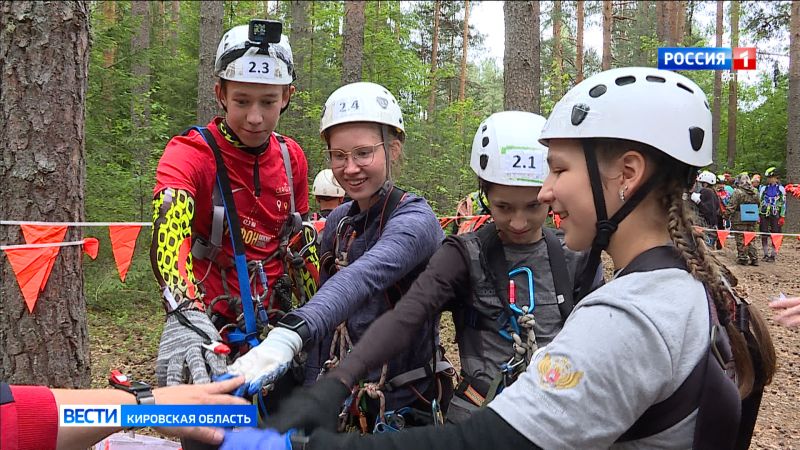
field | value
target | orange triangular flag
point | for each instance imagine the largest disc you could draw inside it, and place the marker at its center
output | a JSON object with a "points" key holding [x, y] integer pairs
{"points": [[557, 220], [123, 242], [722, 235], [30, 268], [90, 247], [319, 225], [748, 236], [777, 240], [45, 234]]}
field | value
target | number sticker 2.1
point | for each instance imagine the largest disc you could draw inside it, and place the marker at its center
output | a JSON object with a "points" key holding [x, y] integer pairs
{"points": [[525, 162]]}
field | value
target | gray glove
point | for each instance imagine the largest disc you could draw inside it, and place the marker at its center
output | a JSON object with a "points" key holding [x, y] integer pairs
{"points": [[182, 347]]}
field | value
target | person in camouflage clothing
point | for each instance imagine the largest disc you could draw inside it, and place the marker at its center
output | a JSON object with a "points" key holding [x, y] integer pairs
{"points": [[744, 195]]}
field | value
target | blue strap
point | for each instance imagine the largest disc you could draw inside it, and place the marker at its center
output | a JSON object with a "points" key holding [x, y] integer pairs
{"points": [[240, 261]]}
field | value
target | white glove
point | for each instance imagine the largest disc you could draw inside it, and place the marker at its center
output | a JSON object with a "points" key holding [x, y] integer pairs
{"points": [[696, 197], [267, 362]]}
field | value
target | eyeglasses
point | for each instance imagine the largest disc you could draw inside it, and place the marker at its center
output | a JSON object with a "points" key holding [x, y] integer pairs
{"points": [[362, 156]]}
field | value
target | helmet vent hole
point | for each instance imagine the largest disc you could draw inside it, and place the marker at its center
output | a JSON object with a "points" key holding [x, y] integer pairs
{"points": [[485, 141], [655, 79], [483, 128], [484, 161], [686, 88], [706, 103], [597, 91], [622, 81], [696, 136]]}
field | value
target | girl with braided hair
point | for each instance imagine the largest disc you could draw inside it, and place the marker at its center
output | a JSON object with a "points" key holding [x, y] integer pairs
{"points": [[662, 356]]}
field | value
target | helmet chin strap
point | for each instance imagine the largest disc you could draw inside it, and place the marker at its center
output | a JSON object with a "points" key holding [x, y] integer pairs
{"points": [[605, 226]]}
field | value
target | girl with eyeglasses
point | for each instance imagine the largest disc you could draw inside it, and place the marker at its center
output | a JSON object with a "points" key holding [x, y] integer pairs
{"points": [[372, 248]]}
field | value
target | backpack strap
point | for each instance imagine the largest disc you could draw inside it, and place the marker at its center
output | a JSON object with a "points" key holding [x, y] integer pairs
{"points": [[558, 267], [396, 291], [707, 389], [287, 165]]}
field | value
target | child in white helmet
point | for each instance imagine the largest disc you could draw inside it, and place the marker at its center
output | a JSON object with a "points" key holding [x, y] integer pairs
{"points": [[328, 193], [624, 146], [372, 248], [483, 277], [267, 183]]}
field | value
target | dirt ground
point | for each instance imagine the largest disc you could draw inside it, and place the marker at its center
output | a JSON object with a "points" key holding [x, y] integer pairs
{"points": [[136, 343]]}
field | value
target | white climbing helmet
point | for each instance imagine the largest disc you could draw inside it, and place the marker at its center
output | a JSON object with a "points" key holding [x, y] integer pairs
{"points": [[239, 59], [659, 108], [707, 177], [506, 149], [325, 185], [361, 102]]}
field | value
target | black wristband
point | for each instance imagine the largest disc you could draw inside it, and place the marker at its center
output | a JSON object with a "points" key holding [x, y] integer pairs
{"points": [[141, 390], [298, 325]]}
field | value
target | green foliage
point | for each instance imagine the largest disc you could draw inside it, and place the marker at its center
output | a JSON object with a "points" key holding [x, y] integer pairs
{"points": [[397, 53]]}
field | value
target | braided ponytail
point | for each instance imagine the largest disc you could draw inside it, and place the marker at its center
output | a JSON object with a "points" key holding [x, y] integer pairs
{"points": [[708, 270]]}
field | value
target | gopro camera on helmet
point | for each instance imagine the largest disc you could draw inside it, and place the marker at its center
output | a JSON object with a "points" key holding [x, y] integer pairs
{"points": [[264, 31]]}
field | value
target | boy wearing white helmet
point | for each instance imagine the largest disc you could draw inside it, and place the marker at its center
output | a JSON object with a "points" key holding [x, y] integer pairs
{"points": [[708, 206], [328, 193], [641, 362], [510, 285], [372, 248], [234, 174]]}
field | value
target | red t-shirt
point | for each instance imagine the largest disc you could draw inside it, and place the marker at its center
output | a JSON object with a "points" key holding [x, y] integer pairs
{"points": [[188, 164], [28, 418]]}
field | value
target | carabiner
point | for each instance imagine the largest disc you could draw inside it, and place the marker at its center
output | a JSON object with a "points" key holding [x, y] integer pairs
{"points": [[513, 304]]}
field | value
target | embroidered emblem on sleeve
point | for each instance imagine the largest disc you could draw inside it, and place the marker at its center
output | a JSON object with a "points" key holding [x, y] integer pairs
{"points": [[557, 373]]}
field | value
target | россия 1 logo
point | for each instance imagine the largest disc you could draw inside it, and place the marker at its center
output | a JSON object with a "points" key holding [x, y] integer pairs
{"points": [[707, 58]]}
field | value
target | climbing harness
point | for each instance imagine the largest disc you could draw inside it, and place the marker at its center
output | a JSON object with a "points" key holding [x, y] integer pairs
{"points": [[296, 251], [353, 416]]}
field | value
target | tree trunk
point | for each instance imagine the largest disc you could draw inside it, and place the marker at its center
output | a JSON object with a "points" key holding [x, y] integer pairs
{"points": [[210, 33], [679, 21], [353, 41], [140, 66], [732, 85], [518, 63], [140, 102], [434, 58], [662, 21], [642, 27], [716, 117], [607, 28], [462, 83], [110, 19], [579, 11], [299, 40], [793, 121], [175, 18], [558, 57], [42, 166], [161, 27], [536, 54]]}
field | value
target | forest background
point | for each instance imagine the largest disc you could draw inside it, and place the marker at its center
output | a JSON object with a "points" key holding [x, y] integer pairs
{"points": [[85, 147]]}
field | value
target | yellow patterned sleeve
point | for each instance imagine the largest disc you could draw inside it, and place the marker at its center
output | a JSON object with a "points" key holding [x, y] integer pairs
{"points": [[170, 248]]}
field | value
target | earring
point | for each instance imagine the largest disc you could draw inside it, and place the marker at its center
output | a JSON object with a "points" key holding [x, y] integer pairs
{"points": [[622, 193]]}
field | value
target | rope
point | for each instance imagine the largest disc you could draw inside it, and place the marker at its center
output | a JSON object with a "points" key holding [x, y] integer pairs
{"points": [[523, 351]]}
